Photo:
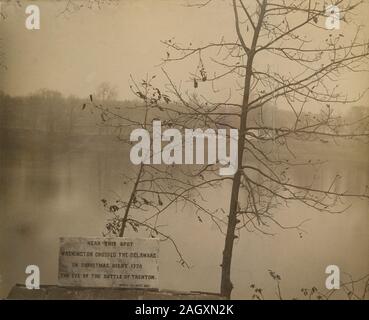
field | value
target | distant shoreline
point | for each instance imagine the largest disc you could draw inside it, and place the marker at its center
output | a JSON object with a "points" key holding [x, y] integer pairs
{"points": [[36, 140]]}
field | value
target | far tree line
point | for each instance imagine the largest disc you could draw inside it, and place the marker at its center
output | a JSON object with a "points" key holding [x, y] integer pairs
{"points": [[50, 111]]}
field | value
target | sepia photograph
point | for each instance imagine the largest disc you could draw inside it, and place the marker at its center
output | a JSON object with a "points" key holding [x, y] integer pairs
{"points": [[184, 150]]}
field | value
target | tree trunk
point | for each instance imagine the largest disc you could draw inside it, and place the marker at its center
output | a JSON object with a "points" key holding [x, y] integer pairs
{"points": [[226, 285], [130, 202]]}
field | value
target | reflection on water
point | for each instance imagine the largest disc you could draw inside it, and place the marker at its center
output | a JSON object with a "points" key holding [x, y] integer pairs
{"points": [[48, 192]]}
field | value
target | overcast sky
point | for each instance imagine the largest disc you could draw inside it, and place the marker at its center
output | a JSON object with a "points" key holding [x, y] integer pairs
{"points": [[74, 53]]}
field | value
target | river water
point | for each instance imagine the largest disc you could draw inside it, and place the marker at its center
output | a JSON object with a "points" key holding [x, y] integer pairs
{"points": [[50, 189]]}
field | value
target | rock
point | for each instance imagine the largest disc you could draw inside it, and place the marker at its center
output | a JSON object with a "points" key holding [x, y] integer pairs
{"points": [[51, 292]]}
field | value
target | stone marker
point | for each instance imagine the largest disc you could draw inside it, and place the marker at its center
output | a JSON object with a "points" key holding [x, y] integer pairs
{"points": [[109, 262]]}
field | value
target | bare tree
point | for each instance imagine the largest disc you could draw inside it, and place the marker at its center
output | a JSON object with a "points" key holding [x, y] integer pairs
{"points": [[153, 189], [106, 91], [280, 31], [351, 289], [310, 68], [70, 7]]}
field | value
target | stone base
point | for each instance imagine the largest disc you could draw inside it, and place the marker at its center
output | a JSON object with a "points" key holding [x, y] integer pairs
{"points": [[50, 292]]}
